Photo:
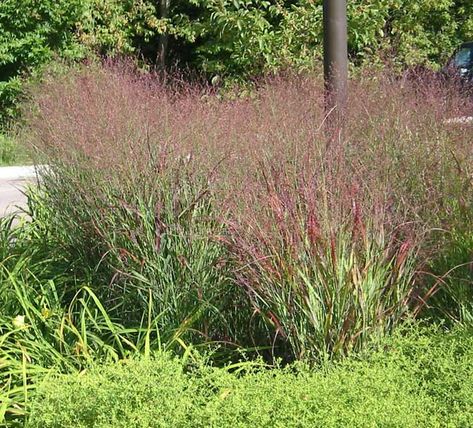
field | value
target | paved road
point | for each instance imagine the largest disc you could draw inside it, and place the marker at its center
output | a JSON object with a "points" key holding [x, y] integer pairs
{"points": [[12, 182]]}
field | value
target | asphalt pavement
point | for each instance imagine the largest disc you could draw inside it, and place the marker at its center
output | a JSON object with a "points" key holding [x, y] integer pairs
{"points": [[12, 183]]}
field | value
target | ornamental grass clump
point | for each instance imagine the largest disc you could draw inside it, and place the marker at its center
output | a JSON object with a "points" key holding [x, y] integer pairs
{"points": [[127, 207], [325, 270], [242, 219]]}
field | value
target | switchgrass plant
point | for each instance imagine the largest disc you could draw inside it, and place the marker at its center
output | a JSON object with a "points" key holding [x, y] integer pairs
{"points": [[132, 213], [155, 234], [242, 217], [326, 273]]}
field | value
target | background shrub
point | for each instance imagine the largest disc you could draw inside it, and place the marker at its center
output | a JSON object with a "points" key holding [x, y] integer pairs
{"points": [[30, 34]]}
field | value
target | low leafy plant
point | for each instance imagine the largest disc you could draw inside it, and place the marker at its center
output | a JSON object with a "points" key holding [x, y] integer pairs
{"points": [[422, 378]]}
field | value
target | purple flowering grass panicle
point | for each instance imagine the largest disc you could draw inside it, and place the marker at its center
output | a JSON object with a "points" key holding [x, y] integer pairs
{"points": [[323, 241]]}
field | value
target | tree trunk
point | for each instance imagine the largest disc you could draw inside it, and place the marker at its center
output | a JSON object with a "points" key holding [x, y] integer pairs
{"points": [[335, 57]]}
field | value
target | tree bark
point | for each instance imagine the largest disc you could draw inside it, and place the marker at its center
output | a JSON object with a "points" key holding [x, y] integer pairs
{"points": [[335, 58]]}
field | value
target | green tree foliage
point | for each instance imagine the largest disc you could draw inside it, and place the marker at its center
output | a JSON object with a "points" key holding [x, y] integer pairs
{"points": [[118, 27], [253, 36], [30, 33]]}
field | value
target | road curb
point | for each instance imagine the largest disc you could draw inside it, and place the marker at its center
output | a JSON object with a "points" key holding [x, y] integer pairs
{"points": [[19, 172]]}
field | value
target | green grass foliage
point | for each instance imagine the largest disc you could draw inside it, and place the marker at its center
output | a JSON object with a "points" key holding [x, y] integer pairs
{"points": [[154, 238], [422, 379], [452, 284], [12, 152]]}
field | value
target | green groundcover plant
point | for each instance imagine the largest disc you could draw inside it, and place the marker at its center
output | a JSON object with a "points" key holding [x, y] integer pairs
{"points": [[420, 379]]}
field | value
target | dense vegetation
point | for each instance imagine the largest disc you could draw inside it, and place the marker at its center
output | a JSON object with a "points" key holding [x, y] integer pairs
{"points": [[423, 379], [234, 39], [172, 223], [193, 256]]}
